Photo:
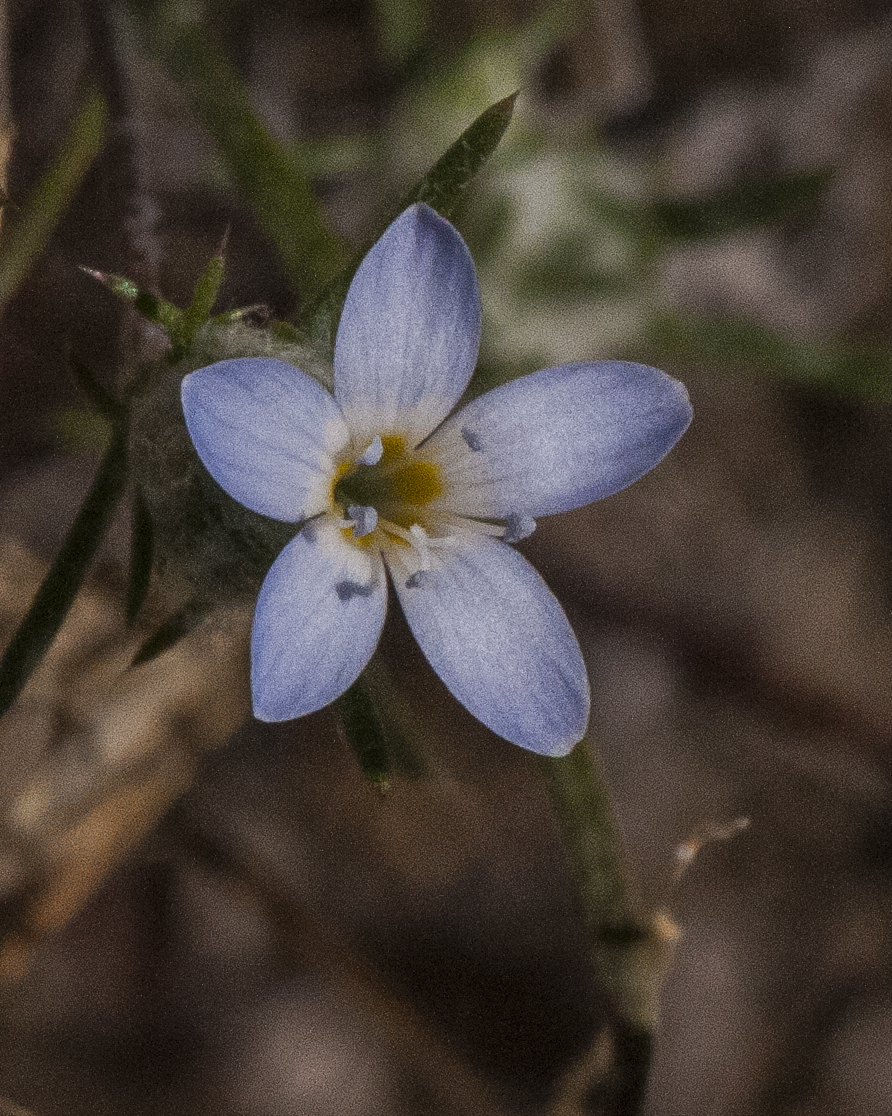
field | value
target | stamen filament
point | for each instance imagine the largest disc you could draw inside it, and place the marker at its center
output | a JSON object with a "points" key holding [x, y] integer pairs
{"points": [[391, 528]]}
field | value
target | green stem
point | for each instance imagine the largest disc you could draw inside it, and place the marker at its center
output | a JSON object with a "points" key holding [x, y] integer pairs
{"points": [[625, 951]]}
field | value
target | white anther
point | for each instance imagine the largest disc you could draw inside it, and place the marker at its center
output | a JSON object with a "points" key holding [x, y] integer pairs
{"points": [[363, 519], [518, 527], [373, 453]]}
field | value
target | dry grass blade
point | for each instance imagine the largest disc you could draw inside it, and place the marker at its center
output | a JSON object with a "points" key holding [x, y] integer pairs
{"points": [[91, 754]]}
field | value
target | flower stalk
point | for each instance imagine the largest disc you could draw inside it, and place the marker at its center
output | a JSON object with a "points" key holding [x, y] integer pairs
{"points": [[627, 953]]}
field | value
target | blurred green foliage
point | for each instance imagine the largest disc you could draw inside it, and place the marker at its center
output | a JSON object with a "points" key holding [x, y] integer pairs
{"points": [[27, 231], [263, 171]]}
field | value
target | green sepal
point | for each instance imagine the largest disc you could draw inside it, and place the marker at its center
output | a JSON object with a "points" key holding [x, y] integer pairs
{"points": [[374, 724], [441, 188], [27, 235], [142, 553], [180, 326], [56, 595], [199, 309], [285, 332], [256, 314]]}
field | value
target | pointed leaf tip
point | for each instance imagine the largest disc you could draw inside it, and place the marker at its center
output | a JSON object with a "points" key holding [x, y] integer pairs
{"points": [[445, 182], [199, 309], [441, 188], [28, 235]]}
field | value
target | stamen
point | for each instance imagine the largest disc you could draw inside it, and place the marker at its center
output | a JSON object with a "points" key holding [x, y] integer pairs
{"points": [[373, 453], [472, 439], [394, 529], [347, 589], [517, 527], [420, 542], [463, 526], [363, 519]]}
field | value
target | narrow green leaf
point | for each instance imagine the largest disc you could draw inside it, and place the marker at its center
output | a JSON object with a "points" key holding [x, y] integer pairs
{"points": [[441, 188], [27, 236], [745, 205], [268, 177], [444, 184], [142, 546], [170, 633], [56, 595]]}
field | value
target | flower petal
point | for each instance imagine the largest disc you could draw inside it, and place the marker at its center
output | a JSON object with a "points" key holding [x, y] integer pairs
{"points": [[267, 433], [408, 338], [559, 438], [495, 634], [317, 622]]}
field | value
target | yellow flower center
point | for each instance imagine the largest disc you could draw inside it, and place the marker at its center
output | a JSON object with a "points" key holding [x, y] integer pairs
{"points": [[397, 486]]}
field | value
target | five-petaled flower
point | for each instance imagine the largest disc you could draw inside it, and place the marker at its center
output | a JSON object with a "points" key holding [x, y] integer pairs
{"points": [[384, 475]]}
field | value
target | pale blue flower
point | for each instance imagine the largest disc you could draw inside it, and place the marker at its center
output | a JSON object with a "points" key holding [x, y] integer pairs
{"points": [[385, 477]]}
